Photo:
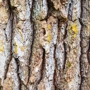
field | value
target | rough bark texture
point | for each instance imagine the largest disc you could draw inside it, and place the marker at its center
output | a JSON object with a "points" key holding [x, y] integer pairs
{"points": [[44, 44]]}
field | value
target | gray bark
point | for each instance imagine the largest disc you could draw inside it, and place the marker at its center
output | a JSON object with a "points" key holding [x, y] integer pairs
{"points": [[45, 45]]}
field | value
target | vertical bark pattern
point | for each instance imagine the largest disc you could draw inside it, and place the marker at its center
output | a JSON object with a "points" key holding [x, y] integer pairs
{"points": [[85, 46], [44, 45]]}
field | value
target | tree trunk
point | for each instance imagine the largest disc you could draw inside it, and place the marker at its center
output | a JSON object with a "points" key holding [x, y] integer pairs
{"points": [[44, 44]]}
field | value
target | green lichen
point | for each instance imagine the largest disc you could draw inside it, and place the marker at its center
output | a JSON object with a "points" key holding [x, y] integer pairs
{"points": [[68, 64]]}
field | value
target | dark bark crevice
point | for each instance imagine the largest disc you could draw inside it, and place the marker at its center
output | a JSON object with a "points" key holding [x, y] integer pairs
{"points": [[33, 36], [54, 80], [8, 61], [69, 16], [50, 7], [43, 66], [70, 11], [80, 88], [18, 74], [65, 49], [11, 18], [51, 10]]}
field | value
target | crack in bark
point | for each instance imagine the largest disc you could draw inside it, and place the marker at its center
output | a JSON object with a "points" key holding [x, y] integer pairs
{"points": [[70, 12], [81, 46], [43, 65], [43, 57], [50, 8], [18, 75], [69, 16], [11, 17], [55, 66], [8, 62], [33, 35], [64, 44], [84, 22]]}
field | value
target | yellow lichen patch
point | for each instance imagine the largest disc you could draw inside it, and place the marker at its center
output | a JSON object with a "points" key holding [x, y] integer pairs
{"points": [[49, 37], [22, 48], [74, 35], [16, 48], [1, 48], [49, 27], [75, 29]]}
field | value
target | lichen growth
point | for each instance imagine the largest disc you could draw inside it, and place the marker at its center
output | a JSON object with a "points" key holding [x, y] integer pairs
{"points": [[49, 37], [16, 48], [68, 64], [1, 48], [48, 26], [75, 29]]}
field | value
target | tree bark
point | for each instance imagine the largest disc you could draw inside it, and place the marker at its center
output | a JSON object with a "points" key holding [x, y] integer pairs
{"points": [[45, 45]]}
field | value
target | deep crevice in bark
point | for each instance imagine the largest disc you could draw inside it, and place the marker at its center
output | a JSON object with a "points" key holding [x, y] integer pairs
{"points": [[18, 74], [50, 9], [8, 62], [53, 12], [69, 16], [70, 11], [43, 65], [11, 17], [65, 50], [81, 46], [64, 44], [33, 36], [55, 67]]}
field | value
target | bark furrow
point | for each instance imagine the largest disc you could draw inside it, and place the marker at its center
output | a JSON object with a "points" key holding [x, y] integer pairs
{"points": [[45, 45]]}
